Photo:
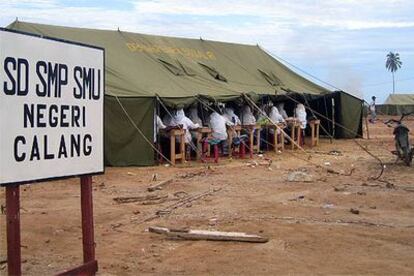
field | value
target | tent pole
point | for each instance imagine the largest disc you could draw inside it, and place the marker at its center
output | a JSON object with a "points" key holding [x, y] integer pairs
{"points": [[333, 116]]}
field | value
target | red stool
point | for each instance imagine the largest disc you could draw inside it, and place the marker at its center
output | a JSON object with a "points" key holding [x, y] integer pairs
{"points": [[242, 150], [206, 145]]}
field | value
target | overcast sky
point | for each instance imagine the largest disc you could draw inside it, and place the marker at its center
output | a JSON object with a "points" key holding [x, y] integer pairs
{"points": [[343, 42]]}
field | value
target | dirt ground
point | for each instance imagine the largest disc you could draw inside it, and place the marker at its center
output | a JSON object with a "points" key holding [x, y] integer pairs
{"points": [[309, 224]]}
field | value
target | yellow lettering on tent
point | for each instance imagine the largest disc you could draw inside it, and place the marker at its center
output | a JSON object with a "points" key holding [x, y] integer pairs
{"points": [[185, 52]]}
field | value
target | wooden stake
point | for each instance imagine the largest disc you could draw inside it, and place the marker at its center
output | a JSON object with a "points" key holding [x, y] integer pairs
{"points": [[159, 185]]}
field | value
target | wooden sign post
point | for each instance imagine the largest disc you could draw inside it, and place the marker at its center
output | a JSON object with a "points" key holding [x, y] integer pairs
{"points": [[89, 266], [13, 229]]}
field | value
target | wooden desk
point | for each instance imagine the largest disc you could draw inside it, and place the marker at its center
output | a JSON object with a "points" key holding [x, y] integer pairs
{"points": [[202, 132], [252, 146], [278, 141], [175, 133], [231, 130], [314, 124], [295, 132]]}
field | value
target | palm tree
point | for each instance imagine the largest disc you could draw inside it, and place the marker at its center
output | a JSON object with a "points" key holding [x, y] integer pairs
{"points": [[392, 64]]}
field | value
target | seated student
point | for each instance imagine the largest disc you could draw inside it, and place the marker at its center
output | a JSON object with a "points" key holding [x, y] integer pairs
{"points": [[276, 118], [218, 123], [193, 115], [218, 126], [159, 141], [282, 111], [158, 124], [247, 116], [168, 120], [231, 116], [179, 118], [300, 114]]}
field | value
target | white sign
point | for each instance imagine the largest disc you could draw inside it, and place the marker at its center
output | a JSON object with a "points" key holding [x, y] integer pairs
{"points": [[51, 108]]}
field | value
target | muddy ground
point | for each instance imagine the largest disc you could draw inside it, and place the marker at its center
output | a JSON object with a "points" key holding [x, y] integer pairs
{"points": [[309, 224]]}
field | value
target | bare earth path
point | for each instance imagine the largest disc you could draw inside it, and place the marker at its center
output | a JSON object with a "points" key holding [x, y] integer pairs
{"points": [[310, 226]]}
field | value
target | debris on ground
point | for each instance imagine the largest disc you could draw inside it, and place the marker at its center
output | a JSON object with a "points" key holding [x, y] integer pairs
{"points": [[193, 174], [354, 211], [252, 164], [339, 189], [159, 185], [299, 176], [332, 152], [114, 226], [335, 152], [180, 194], [370, 185], [328, 206], [188, 234], [145, 199], [297, 198], [266, 162], [183, 202], [212, 221]]}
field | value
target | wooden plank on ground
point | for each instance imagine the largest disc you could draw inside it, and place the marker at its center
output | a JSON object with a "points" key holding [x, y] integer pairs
{"points": [[208, 235]]}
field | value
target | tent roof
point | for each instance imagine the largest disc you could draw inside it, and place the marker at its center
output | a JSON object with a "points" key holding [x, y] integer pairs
{"points": [[139, 65], [400, 99]]}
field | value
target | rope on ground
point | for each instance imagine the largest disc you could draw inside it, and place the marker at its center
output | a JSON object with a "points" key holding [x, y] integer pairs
{"points": [[140, 131]]}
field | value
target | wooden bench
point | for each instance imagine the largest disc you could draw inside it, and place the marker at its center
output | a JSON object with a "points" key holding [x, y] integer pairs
{"points": [[253, 147], [295, 133], [278, 141], [176, 134], [202, 132], [314, 124], [231, 130]]}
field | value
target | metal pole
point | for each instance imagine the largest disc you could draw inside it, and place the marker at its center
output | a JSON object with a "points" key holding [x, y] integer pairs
{"points": [[13, 230]]}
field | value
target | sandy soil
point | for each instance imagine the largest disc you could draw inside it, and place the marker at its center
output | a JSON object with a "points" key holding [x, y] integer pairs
{"points": [[316, 234]]}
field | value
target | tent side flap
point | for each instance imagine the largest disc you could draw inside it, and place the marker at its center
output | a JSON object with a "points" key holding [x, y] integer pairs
{"points": [[124, 145]]}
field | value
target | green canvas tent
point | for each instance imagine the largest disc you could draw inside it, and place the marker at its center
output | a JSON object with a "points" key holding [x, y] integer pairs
{"points": [[397, 104], [140, 69]]}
